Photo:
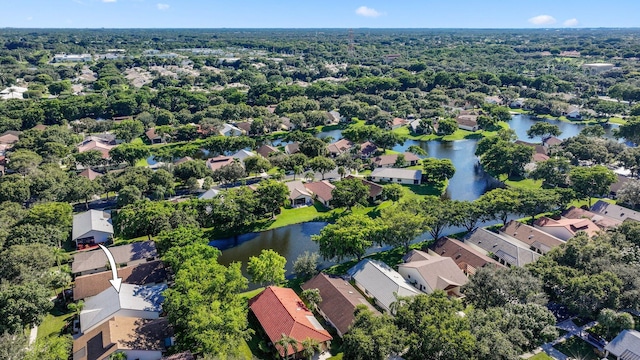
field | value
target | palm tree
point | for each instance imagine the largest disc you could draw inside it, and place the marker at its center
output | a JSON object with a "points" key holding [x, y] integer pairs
{"points": [[342, 172], [284, 343], [309, 347], [297, 170], [59, 255]]}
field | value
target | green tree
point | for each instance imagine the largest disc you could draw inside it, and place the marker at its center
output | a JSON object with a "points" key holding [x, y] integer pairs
{"points": [[89, 158], [437, 170], [191, 169], [229, 173], [349, 237], [51, 348], [15, 188], [24, 161], [272, 195], [23, 306], [467, 214], [372, 337], [322, 165], [349, 193], [630, 193], [312, 297], [284, 343], [593, 131], [13, 346], [401, 227], [435, 330], [614, 322], [630, 130], [268, 267], [82, 189], [553, 172], [593, 181], [544, 130], [59, 87], [128, 195], [499, 204], [306, 265], [492, 286], [310, 347], [447, 126], [393, 192], [128, 130], [417, 150], [256, 164], [129, 153], [313, 147]]}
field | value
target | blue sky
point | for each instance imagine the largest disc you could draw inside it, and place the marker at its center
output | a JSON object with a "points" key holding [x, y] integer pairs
{"points": [[318, 14]]}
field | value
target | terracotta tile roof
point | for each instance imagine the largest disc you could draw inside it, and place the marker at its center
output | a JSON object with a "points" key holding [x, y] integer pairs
{"points": [[340, 146], [122, 333], [375, 190], [537, 157], [339, 300], [322, 189], [399, 122], [218, 162], [572, 225], [281, 311], [90, 174], [9, 137], [552, 141], [439, 272], [368, 148], [602, 221], [531, 236], [95, 145], [152, 272], [265, 150], [384, 160], [151, 134], [467, 258]]}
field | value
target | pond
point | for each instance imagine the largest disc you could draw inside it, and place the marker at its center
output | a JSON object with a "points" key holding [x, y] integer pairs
{"points": [[521, 123]]}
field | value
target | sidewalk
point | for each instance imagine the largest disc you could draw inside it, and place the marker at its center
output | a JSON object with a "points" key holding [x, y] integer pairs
{"points": [[572, 330]]}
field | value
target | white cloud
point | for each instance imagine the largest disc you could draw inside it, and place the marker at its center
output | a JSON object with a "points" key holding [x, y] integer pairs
{"points": [[109, 1], [163, 6], [543, 20], [368, 12], [571, 22]]}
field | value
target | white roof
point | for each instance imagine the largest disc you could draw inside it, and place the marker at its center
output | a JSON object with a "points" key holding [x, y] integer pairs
{"points": [[14, 89], [209, 194], [131, 297], [243, 154], [92, 220], [381, 281], [397, 173], [229, 127]]}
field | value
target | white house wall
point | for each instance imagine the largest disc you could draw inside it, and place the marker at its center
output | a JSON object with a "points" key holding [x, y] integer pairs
{"points": [[413, 276]]}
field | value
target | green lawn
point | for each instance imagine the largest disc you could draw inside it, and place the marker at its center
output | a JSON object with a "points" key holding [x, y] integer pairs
{"points": [[525, 183], [577, 349], [53, 323], [541, 356], [251, 293], [458, 135], [142, 163]]}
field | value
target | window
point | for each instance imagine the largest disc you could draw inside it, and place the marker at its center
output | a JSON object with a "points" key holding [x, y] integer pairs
{"points": [[415, 182]]}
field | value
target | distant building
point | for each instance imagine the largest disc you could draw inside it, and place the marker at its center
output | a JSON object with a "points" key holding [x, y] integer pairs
{"points": [[59, 58], [597, 68]]}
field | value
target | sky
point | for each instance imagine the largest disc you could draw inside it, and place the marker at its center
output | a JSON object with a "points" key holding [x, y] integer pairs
{"points": [[319, 13]]}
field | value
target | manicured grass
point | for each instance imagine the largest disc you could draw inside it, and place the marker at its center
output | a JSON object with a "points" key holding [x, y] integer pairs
{"points": [[541, 356], [577, 349], [617, 120], [336, 357], [580, 203], [525, 183], [290, 216], [251, 293], [137, 141], [53, 323], [142, 163]]}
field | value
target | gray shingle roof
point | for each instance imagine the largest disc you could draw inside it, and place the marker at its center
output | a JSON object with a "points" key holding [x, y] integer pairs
{"points": [[89, 221], [397, 173], [626, 345], [501, 247], [381, 281], [96, 259], [614, 211]]}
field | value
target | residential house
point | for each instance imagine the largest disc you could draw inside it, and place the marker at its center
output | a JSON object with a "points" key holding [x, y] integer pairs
{"points": [[397, 123], [39, 127], [625, 346], [375, 190], [154, 137], [539, 149], [281, 312], [536, 239], [573, 112], [613, 211], [429, 273], [209, 194], [218, 162], [551, 141], [93, 261], [230, 130], [91, 227], [266, 150], [564, 228], [245, 126], [506, 252], [137, 338], [321, 191], [468, 259], [286, 124], [597, 68], [13, 92], [90, 174], [339, 300], [339, 147], [615, 187], [410, 159], [182, 160], [58, 58], [9, 137], [468, 122], [138, 301], [243, 154], [604, 222], [517, 104], [298, 194], [334, 117], [416, 127], [147, 273], [380, 282], [292, 148], [395, 175], [368, 149], [96, 144]]}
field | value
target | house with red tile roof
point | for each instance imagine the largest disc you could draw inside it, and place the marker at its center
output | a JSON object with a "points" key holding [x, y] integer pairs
{"points": [[537, 239], [339, 300], [410, 159], [321, 191], [468, 259], [398, 123], [602, 221], [339, 147], [280, 311], [218, 162], [564, 228]]}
